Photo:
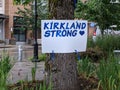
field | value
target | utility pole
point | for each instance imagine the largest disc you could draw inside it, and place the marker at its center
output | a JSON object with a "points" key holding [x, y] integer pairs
{"points": [[35, 35]]}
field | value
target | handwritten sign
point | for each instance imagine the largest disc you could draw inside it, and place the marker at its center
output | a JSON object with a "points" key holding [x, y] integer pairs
{"points": [[64, 36]]}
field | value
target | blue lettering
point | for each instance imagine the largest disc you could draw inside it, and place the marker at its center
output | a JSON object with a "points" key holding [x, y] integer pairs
{"points": [[72, 26], [58, 33], [53, 33], [47, 34], [83, 25], [74, 33], [62, 26], [46, 26], [56, 25], [51, 25], [69, 33], [67, 26], [78, 25], [64, 33]]}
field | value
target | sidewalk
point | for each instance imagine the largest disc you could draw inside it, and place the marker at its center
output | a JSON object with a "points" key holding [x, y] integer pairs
{"points": [[13, 51], [22, 71]]}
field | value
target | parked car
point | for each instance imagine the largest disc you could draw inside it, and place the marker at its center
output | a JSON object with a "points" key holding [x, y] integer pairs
{"points": [[111, 32]]}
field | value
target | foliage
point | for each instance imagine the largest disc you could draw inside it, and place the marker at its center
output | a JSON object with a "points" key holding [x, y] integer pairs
{"points": [[108, 74], [90, 43], [5, 67], [33, 71], [41, 57], [21, 2], [102, 12], [106, 43], [85, 67], [95, 54], [32, 85], [29, 16]]}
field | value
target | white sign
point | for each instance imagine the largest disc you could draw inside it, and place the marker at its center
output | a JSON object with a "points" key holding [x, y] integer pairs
{"points": [[64, 36]]}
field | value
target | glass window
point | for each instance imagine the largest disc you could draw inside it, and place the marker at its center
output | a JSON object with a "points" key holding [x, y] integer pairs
{"points": [[0, 3], [19, 31]]}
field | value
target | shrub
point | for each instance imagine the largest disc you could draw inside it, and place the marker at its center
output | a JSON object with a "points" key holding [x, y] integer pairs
{"points": [[95, 54], [41, 57], [5, 67], [85, 67], [108, 43], [108, 74]]}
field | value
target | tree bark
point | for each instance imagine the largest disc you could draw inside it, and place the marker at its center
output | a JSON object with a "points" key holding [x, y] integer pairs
{"points": [[62, 71]]}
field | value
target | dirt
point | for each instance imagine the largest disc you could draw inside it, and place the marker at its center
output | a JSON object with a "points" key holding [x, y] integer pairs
{"points": [[85, 83], [90, 83], [32, 85]]}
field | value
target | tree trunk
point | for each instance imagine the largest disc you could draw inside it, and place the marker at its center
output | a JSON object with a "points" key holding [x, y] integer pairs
{"points": [[62, 71]]}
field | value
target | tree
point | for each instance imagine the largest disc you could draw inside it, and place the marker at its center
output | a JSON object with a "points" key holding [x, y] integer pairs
{"points": [[64, 67], [28, 14], [102, 12]]}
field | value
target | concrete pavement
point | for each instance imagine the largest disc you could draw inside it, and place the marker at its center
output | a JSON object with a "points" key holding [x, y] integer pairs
{"points": [[22, 70], [12, 50]]}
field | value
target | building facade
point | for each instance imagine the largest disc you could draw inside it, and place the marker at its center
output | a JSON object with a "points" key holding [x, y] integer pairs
{"points": [[9, 31], [12, 32], [8, 23], [2, 20]]}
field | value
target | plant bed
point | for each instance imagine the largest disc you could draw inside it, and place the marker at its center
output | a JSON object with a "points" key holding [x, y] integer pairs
{"points": [[95, 54], [88, 83], [24, 85]]}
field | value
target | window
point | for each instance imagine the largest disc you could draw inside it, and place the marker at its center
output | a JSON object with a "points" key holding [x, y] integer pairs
{"points": [[19, 31], [0, 3]]}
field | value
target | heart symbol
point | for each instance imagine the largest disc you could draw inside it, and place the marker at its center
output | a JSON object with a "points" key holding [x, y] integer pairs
{"points": [[82, 32]]}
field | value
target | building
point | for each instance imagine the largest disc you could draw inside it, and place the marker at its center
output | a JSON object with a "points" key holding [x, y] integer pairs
{"points": [[8, 23], [9, 31], [3, 17], [12, 33]]}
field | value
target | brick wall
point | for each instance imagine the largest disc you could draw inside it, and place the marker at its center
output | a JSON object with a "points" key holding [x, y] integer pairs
{"points": [[10, 10]]}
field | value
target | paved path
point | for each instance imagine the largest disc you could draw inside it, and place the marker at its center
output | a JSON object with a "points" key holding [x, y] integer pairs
{"points": [[22, 71], [12, 50]]}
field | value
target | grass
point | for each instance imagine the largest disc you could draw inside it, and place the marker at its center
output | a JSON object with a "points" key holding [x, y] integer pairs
{"points": [[5, 66], [107, 43], [85, 67], [108, 73], [31, 85], [41, 57]]}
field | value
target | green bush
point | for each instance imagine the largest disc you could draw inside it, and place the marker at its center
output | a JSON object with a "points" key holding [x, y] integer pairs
{"points": [[108, 73], [90, 43], [5, 67], [95, 54], [41, 57], [85, 67], [106, 43]]}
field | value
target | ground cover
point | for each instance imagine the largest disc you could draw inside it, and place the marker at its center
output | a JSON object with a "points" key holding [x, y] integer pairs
{"points": [[97, 70]]}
